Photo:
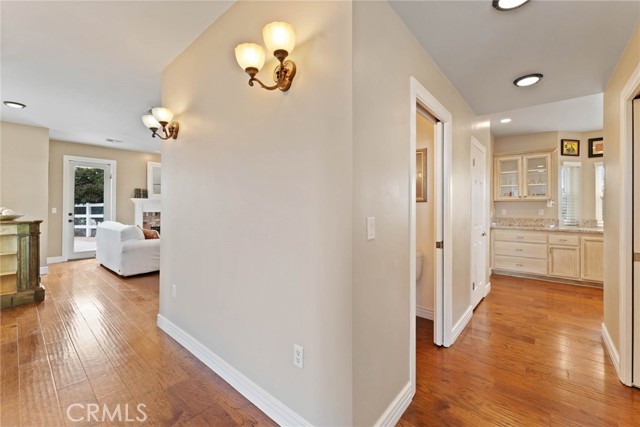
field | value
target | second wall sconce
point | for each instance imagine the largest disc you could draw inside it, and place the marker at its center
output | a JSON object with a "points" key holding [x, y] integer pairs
{"points": [[280, 39], [159, 117]]}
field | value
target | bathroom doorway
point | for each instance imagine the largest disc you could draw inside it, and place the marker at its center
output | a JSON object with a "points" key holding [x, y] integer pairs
{"points": [[440, 263]]}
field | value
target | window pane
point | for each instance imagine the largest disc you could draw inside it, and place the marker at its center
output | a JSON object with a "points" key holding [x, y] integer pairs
{"points": [[570, 194]]}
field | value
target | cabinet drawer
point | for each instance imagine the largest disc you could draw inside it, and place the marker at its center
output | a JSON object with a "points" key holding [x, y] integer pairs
{"points": [[8, 230], [528, 250], [520, 236], [559, 239], [524, 265]]}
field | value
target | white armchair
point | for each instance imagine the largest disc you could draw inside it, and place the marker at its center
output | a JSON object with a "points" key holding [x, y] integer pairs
{"points": [[123, 249]]}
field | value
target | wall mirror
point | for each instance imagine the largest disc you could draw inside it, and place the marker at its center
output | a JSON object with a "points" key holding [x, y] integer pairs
{"points": [[154, 180]]}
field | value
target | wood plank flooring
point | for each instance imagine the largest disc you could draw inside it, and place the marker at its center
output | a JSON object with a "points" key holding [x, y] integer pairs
{"points": [[94, 340], [531, 356]]}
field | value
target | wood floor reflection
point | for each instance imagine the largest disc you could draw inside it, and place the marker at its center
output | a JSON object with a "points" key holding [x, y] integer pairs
{"points": [[94, 340], [531, 356]]}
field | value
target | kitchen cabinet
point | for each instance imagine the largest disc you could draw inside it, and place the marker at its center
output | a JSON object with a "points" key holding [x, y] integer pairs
{"points": [[592, 259], [20, 263], [552, 254], [523, 177]]}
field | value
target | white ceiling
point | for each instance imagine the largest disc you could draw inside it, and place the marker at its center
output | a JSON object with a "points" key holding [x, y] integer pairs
{"points": [[572, 115], [575, 44], [87, 70]]}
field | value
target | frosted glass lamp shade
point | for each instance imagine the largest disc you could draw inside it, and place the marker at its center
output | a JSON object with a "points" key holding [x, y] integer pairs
{"points": [[279, 36], [250, 55], [150, 121], [162, 114]]}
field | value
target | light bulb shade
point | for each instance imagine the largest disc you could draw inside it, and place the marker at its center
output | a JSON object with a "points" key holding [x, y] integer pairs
{"points": [[162, 114], [250, 55], [150, 121], [279, 36]]}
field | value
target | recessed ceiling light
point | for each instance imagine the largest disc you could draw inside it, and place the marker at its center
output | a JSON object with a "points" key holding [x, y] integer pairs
{"points": [[528, 80], [505, 121], [14, 104], [508, 4]]}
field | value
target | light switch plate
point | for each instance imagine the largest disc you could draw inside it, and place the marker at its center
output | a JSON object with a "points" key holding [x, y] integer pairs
{"points": [[503, 211], [54, 210], [541, 212], [371, 227]]}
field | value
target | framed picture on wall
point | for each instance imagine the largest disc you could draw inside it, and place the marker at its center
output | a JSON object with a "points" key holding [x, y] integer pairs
{"points": [[596, 147], [570, 147], [421, 175]]}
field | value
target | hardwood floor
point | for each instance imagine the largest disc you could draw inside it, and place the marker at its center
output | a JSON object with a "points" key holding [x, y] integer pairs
{"points": [[94, 341], [531, 356]]}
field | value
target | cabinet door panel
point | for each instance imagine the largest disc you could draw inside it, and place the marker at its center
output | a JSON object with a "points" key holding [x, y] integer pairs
{"points": [[564, 261], [537, 176], [508, 178], [592, 259]]}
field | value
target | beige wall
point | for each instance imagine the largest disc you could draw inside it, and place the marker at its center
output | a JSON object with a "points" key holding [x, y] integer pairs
{"points": [[263, 260], [24, 157], [613, 179], [131, 172], [381, 189], [425, 232], [550, 141]]}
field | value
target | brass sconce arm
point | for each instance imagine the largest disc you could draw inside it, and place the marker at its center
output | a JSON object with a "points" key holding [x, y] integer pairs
{"points": [[170, 132], [283, 75]]}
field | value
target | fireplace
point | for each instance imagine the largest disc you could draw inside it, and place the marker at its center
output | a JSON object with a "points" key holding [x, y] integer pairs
{"points": [[147, 213]]}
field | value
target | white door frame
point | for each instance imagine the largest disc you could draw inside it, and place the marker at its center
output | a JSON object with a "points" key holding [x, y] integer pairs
{"points": [[624, 365], [65, 195], [442, 316], [475, 143]]}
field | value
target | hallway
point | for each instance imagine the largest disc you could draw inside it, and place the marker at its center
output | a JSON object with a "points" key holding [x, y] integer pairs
{"points": [[532, 355]]}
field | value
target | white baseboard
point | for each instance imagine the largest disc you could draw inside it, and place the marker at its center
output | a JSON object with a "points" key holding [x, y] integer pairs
{"points": [[56, 259], [268, 404], [425, 313], [461, 324], [44, 270], [487, 289], [611, 349], [392, 414]]}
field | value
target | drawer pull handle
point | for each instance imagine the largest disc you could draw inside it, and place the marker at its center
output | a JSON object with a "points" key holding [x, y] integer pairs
{"points": [[519, 265], [519, 237], [519, 250]]}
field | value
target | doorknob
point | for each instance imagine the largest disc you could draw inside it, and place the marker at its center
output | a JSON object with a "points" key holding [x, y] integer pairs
{"points": [[484, 233], [70, 220], [70, 214]]}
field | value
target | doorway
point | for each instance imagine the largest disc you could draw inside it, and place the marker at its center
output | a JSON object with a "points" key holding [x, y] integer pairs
{"points": [[88, 200], [635, 147], [442, 259]]}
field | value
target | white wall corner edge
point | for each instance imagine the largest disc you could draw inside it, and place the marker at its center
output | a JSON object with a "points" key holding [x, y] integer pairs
{"points": [[268, 404], [611, 349], [461, 324], [56, 259], [392, 414], [487, 289], [425, 313]]}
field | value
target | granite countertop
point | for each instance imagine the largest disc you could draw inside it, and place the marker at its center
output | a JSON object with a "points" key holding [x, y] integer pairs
{"points": [[549, 228]]}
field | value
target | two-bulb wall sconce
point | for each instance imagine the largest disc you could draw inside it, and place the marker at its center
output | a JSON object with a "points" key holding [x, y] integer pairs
{"points": [[159, 117], [280, 39]]}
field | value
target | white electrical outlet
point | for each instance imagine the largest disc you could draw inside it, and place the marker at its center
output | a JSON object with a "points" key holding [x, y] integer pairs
{"points": [[503, 211], [371, 227], [541, 212], [298, 356], [54, 210], [174, 290]]}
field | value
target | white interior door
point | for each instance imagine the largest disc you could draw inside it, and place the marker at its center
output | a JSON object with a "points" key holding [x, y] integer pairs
{"points": [[438, 307], [636, 243], [478, 221], [88, 202]]}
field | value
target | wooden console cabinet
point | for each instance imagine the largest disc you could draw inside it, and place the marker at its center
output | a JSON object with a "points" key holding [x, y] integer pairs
{"points": [[20, 263]]}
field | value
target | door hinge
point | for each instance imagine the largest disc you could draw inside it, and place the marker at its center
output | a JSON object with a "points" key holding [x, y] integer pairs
{"points": [[439, 245], [474, 162], [473, 286], [636, 257]]}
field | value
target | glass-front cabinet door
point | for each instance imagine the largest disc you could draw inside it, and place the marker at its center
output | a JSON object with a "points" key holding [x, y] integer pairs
{"points": [[508, 178], [537, 176]]}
